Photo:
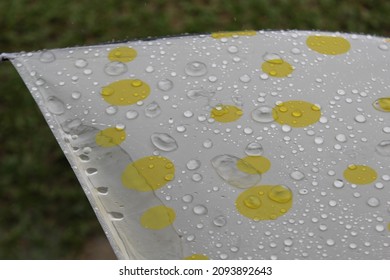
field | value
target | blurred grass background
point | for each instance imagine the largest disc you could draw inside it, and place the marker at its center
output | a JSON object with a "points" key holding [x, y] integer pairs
{"points": [[44, 213]]}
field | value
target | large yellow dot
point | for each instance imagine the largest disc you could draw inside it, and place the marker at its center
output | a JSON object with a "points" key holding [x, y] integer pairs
{"points": [[148, 173], [226, 113], [277, 68], [158, 217], [125, 92], [110, 137], [197, 257], [360, 174], [296, 113], [328, 44], [219, 35], [122, 54], [266, 202], [388, 226], [254, 164]]}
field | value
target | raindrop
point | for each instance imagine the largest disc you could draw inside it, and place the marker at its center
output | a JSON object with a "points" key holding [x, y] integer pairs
{"points": [[281, 194], [76, 95], [330, 242], [190, 238], [338, 183], [233, 49], [208, 144], [187, 198], [102, 190], [219, 221], [286, 128], [379, 185], [188, 114], [131, 114], [116, 215], [55, 105], [197, 93], [254, 149], [297, 175], [91, 171], [275, 58], [288, 242], [115, 68], [245, 78], [373, 202], [47, 56], [152, 110], [380, 228], [318, 140], [164, 142], [262, 114], [200, 209], [111, 110], [383, 47], [193, 164], [197, 177], [80, 63], [196, 69], [303, 191], [149, 69], [332, 203], [165, 84], [226, 168], [383, 148], [296, 51], [341, 138], [360, 118]]}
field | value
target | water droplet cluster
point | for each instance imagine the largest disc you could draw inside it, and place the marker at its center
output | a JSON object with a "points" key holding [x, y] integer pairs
{"points": [[234, 145]]}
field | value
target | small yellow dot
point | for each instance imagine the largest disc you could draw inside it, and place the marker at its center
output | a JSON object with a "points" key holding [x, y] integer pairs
{"points": [[124, 92], [148, 173], [296, 113], [219, 35], [122, 54], [197, 257], [110, 137], [254, 164], [360, 174], [226, 113], [277, 68], [158, 217], [330, 45]]}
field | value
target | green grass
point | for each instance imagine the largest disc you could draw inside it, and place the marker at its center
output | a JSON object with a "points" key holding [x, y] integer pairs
{"points": [[44, 213]]}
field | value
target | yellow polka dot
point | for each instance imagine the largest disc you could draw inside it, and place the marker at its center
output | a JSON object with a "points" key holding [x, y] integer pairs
{"points": [[264, 202], [110, 137], [382, 104], [219, 35], [197, 257], [388, 226], [328, 44], [122, 54], [148, 173], [360, 174], [226, 113], [158, 217], [296, 113], [125, 92], [277, 68], [254, 164]]}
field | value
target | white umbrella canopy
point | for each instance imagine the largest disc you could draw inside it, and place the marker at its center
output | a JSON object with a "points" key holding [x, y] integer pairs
{"points": [[235, 145]]}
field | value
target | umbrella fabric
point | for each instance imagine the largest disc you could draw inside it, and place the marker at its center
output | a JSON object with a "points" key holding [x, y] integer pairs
{"points": [[233, 145]]}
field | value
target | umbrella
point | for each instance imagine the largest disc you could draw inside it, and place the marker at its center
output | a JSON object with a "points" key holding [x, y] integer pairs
{"points": [[231, 145]]}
